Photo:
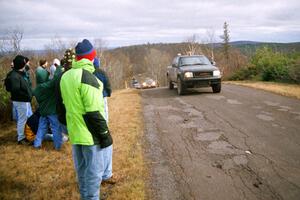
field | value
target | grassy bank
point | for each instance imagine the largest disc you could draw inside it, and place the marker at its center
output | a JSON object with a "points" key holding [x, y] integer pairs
{"points": [[290, 90], [26, 173]]}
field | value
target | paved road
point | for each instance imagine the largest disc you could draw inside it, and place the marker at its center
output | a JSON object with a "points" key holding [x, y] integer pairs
{"points": [[240, 144]]}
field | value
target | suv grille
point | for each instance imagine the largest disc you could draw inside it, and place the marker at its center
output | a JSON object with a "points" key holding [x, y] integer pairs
{"points": [[203, 74]]}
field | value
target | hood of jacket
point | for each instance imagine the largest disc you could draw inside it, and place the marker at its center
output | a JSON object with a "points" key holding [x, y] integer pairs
{"points": [[83, 64]]}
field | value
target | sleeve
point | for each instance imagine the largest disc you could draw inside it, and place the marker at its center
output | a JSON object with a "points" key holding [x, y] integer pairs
{"points": [[60, 107], [107, 85], [90, 92], [51, 83]]}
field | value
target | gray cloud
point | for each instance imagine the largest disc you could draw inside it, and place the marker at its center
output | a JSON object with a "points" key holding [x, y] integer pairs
{"points": [[125, 22]]}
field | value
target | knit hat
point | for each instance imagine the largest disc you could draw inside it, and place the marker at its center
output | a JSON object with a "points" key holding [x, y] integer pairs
{"points": [[86, 50], [19, 62], [96, 63]]}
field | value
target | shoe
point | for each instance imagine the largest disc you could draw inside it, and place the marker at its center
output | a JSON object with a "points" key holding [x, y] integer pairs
{"points": [[111, 181], [65, 138], [37, 148], [24, 142]]}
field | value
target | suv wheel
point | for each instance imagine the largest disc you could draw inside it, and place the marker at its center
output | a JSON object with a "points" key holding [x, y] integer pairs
{"points": [[216, 88], [171, 85], [180, 87]]}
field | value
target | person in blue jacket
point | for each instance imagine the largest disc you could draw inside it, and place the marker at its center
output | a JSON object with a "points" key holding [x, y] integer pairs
{"points": [[102, 76], [107, 152]]}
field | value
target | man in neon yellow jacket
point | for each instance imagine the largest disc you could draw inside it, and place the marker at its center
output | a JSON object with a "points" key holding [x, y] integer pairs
{"points": [[88, 131]]}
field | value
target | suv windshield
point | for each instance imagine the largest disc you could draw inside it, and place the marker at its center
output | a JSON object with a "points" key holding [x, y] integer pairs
{"points": [[194, 60]]}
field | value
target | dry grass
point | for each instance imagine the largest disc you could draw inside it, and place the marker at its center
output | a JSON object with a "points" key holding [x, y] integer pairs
{"points": [[290, 90], [126, 124], [31, 174]]}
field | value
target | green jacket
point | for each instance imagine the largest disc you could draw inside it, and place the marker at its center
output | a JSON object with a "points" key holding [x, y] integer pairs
{"points": [[45, 92], [82, 97]]}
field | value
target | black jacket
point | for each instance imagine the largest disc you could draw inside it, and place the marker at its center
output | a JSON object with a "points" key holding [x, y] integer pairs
{"points": [[18, 86], [102, 76]]}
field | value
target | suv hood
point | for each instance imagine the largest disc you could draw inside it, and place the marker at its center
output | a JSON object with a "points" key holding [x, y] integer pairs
{"points": [[198, 68]]}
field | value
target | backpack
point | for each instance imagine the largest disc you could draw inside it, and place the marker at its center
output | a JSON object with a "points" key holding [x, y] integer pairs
{"points": [[7, 82], [29, 134], [31, 126]]}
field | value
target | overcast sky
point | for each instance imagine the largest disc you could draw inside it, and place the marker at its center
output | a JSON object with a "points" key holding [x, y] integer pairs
{"points": [[127, 22]]}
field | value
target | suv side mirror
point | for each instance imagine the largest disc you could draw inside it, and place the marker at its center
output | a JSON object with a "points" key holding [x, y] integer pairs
{"points": [[213, 62], [174, 65]]}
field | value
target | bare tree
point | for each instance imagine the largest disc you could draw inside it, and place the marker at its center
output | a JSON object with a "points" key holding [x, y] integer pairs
{"points": [[16, 38], [100, 45], [118, 69], [211, 38], [11, 41], [5, 47], [193, 47], [57, 45], [156, 62]]}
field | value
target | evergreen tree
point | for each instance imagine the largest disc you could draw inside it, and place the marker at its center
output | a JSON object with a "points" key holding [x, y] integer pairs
{"points": [[226, 39]]}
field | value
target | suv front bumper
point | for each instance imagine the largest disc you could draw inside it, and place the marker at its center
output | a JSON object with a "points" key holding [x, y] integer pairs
{"points": [[201, 82]]}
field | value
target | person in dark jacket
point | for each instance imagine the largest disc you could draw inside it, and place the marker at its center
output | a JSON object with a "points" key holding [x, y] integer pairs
{"points": [[45, 96], [107, 176], [102, 76], [66, 62], [21, 95]]}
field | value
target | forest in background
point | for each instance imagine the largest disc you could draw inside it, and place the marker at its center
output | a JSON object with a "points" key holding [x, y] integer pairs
{"points": [[243, 60]]}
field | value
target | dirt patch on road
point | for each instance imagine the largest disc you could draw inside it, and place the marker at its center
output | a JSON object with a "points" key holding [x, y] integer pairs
{"points": [[290, 90]]}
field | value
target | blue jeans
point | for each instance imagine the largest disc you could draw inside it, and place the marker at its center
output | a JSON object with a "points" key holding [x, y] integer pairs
{"points": [[89, 169], [22, 110], [107, 162], [108, 151], [43, 130]]}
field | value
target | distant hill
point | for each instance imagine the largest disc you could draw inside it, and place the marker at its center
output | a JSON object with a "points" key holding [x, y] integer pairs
{"points": [[249, 47], [137, 53], [235, 43], [174, 48]]}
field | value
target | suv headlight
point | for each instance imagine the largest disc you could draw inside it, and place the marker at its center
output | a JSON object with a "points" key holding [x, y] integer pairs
{"points": [[188, 75], [216, 73]]}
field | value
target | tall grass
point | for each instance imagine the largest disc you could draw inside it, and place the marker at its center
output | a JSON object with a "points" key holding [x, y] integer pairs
{"points": [[5, 104]]}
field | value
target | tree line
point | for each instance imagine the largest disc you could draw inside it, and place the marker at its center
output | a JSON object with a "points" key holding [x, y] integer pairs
{"points": [[277, 62]]}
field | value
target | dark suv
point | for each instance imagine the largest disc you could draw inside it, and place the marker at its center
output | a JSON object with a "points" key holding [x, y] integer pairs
{"points": [[193, 72]]}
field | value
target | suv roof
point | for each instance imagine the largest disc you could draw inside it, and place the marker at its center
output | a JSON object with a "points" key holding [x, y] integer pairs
{"points": [[183, 56]]}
